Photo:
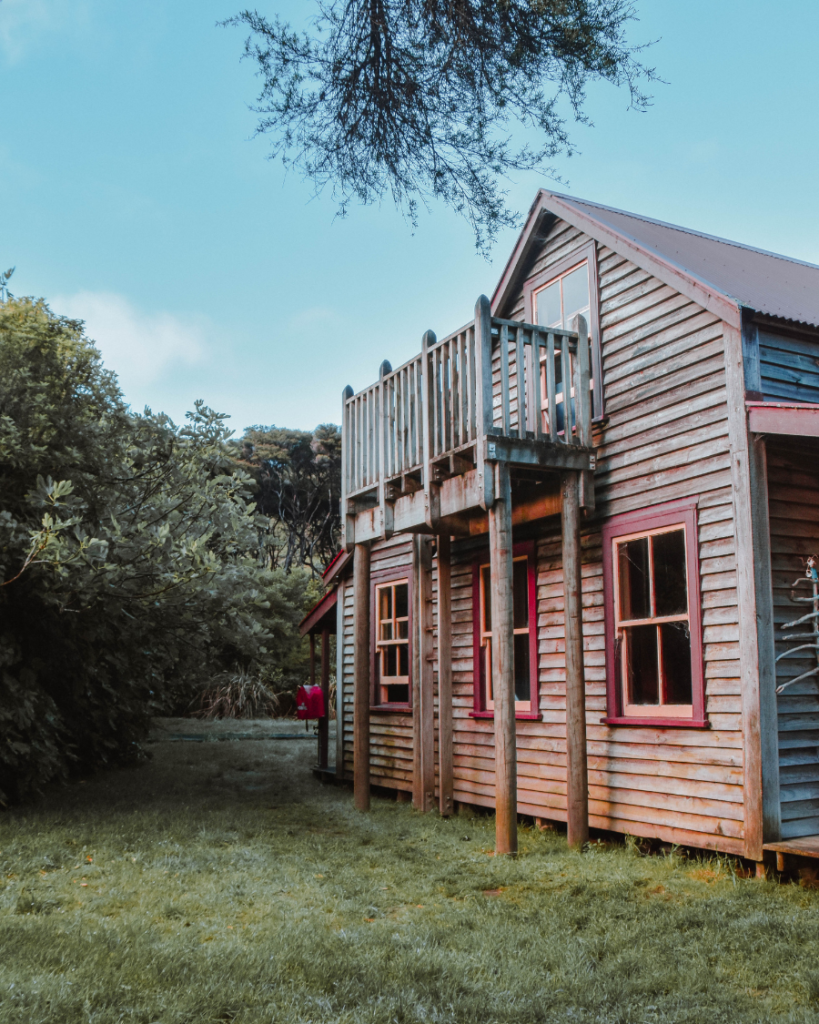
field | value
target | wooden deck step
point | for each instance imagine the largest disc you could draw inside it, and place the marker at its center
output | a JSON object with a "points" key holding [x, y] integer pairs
{"points": [[804, 846]]}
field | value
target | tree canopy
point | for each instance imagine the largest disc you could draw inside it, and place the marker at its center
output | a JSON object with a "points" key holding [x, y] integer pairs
{"points": [[298, 481], [129, 571], [422, 99]]}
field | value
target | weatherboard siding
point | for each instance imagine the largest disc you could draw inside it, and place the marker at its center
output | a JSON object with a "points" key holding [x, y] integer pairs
{"points": [[391, 741]]}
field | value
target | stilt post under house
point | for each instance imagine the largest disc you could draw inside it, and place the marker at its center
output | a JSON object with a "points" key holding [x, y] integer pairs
{"points": [[361, 664], [577, 774], [445, 784], [503, 672]]}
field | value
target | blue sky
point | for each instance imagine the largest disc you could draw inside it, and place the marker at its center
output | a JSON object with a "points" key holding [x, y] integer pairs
{"points": [[134, 196]]}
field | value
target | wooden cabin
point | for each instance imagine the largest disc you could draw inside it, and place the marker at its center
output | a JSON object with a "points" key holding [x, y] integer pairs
{"points": [[573, 529]]}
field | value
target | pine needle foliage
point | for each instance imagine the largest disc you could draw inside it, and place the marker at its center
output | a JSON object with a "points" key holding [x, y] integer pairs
{"points": [[422, 99]]}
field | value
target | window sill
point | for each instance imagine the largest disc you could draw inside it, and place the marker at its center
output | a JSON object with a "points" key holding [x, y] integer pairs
{"points": [[390, 709], [661, 723], [521, 716]]}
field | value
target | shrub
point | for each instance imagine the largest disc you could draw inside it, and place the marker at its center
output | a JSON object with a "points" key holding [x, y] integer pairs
{"points": [[128, 568]]}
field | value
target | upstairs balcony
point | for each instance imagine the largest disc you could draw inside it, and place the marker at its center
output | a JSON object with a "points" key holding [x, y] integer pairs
{"points": [[420, 444]]}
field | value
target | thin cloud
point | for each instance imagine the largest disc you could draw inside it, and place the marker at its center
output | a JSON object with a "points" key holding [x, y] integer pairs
{"points": [[140, 347], [22, 22]]}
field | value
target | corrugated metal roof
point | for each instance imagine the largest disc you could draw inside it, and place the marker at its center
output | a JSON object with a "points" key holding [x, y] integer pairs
{"points": [[764, 281]]}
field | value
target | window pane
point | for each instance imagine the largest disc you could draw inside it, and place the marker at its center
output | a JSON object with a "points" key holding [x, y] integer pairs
{"points": [[389, 662], [486, 658], [575, 293], [402, 630], [675, 639], [401, 601], [487, 600], [385, 603], [548, 306], [386, 631], [520, 592], [633, 571], [670, 591], [641, 665], [523, 686], [398, 693], [403, 660]]}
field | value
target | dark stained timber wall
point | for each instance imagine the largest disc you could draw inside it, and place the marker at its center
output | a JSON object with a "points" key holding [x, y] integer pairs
{"points": [[789, 368]]}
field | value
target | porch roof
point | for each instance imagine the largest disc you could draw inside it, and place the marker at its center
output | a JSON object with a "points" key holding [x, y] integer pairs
{"points": [[321, 616]]}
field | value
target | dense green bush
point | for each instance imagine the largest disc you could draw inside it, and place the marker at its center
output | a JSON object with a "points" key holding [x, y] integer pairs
{"points": [[128, 569]]}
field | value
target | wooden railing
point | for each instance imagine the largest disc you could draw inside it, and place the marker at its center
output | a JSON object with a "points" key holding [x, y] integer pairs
{"points": [[492, 377]]}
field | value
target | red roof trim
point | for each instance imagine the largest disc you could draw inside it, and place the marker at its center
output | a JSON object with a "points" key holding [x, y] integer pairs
{"points": [[321, 608], [332, 563]]}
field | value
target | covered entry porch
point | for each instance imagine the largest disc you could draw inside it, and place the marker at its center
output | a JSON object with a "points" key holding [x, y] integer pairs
{"points": [[788, 435]]}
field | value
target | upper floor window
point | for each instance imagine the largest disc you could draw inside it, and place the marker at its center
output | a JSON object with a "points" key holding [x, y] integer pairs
{"points": [[554, 297], [524, 633], [559, 302], [392, 631], [654, 649]]}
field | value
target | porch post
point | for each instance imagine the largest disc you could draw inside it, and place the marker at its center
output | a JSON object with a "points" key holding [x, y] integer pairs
{"points": [[503, 672], [423, 712], [324, 723], [577, 774], [361, 712], [445, 794]]}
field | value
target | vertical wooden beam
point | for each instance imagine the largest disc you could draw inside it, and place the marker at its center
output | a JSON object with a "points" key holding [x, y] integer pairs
{"points": [[384, 435], [340, 637], [577, 773], [324, 723], [766, 638], [755, 606], [445, 780], [423, 711], [484, 416], [348, 438], [503, 669], [361, 712], [432, 492]]}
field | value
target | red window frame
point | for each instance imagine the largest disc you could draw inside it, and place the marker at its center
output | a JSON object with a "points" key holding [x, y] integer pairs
{"points": [[527, 549], [585, 254], [398, 574], [657, 518]]}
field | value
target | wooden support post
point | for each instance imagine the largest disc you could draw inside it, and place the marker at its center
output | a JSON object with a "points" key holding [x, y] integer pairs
{"points": [[577, 773], [483, 397], [347, 462], [503, 669], [324, 723], [385, 447], [312, 659], [432, 491], [445, 793], [423, 712], [361, 711]]}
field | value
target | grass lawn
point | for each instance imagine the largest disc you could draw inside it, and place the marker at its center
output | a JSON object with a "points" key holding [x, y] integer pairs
{"points": [[220, 882]]}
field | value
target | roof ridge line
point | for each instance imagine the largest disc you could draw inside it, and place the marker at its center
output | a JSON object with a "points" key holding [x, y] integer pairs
{"points": [[684, 230]]}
